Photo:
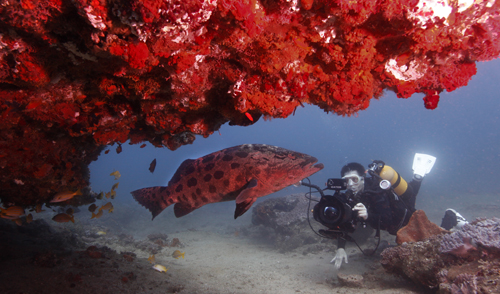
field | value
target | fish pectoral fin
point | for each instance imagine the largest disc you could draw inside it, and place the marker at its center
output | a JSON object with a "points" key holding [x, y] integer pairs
{"points": [[246, 198], [242, 207], [182, 209], [248, 191]]}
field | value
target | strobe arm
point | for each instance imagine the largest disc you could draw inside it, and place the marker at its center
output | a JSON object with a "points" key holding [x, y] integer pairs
{"points": [[312, 186]]}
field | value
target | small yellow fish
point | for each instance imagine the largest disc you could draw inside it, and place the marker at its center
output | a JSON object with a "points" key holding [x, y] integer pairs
{"points": [[100, 195], [98, 215], [178, 254], [66, 195], [101, 233], [113, 194], [116, 174], [107, 206], [115, 186], [160, 268], [12, 212], [108, 195], [92, 207], [63, 218], [29, 218], [151, 259]]}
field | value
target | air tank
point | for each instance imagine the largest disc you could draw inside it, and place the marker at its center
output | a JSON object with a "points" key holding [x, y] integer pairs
{"points": [[397, 182]]}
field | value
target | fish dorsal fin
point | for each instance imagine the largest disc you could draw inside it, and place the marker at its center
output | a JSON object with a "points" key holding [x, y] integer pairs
{"points": [[179, 173], [182, 210], [245, 199]]}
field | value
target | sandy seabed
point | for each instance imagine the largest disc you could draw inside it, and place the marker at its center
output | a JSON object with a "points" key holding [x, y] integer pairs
{"points": [[222, 255]]}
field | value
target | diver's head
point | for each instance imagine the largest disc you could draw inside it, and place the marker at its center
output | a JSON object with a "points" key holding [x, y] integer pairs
{"points": [[354, 174]]}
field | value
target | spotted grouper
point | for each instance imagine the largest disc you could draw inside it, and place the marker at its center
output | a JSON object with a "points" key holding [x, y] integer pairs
{"points": [[242, 173]]}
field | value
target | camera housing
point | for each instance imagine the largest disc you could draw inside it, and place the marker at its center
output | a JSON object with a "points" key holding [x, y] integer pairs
{"points": [[336, 184], [335, 211]]}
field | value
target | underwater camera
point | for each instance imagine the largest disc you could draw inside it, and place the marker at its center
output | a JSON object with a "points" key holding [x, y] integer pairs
{"points": [[334, 211]]}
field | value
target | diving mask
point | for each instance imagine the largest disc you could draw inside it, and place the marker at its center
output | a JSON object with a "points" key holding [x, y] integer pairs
{"points": [[355, 183]]}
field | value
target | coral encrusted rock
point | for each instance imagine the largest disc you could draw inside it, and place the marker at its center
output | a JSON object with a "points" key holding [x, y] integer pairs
{"points": [[464, 261], [287, 217], [78, 75]]}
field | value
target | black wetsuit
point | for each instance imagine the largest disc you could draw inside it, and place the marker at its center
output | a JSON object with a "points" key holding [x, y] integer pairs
{"points": [[387, 210]]}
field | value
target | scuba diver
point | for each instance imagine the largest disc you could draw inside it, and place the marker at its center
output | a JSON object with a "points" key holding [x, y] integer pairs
{"points": [[386, 201]]}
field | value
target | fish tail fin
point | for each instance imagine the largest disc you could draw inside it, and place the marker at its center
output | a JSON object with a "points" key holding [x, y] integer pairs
{"points": [[156, 199], [93, 215], [72, 219], [78, 192]]}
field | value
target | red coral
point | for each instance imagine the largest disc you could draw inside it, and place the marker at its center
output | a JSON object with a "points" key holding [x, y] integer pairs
{"points": [[43, 171], [307, 4], [148, 9], [116, 49], [458, 76], [138, 54], [431, 99], [182, 61], [135, 54], [405, 90], [30, 72], [357, 12], [87, 73], [105, 137], [31, 16], [109, 87]]}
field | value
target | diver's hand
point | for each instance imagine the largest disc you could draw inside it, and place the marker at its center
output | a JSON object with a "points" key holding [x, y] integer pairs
{"points": [[339, 256], [361, 209]]}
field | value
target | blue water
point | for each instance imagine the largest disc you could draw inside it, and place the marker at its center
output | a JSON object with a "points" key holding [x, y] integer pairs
{"points": [[463, 133]]}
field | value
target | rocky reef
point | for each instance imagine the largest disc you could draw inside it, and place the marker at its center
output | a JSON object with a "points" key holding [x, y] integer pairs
{"points": [[284, 222], [465, 261], [39, 258], [76, 76]]}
